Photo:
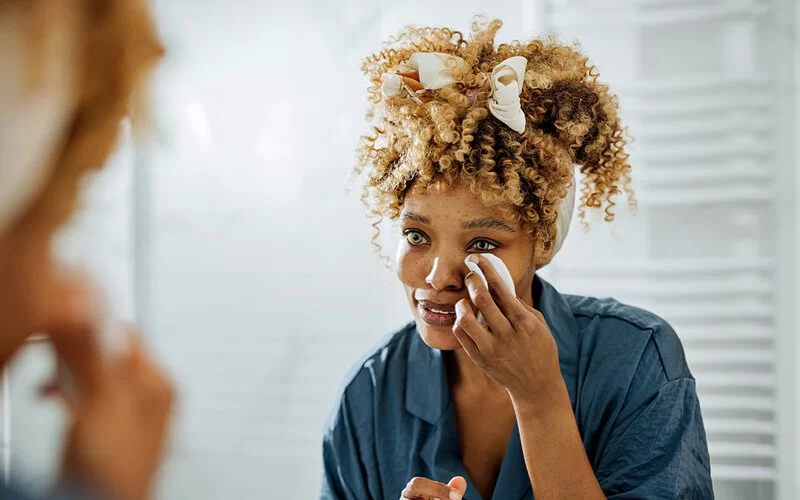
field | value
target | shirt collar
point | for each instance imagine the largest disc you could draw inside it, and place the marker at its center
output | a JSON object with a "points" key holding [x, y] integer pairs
{"points": [[426, 381], [427, 394]]}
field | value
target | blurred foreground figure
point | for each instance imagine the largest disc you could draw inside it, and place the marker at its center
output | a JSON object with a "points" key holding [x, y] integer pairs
{"points": [[69, 75]]}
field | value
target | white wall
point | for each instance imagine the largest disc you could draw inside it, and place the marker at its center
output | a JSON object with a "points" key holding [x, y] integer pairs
{"points": [[698, 83], [791, 30]]}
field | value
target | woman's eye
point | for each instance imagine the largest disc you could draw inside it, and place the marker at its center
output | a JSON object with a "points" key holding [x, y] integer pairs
{"points": [[484, 246], [415, 238]]}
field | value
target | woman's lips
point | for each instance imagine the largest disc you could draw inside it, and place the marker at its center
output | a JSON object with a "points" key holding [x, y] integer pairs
{"points": [[435, 314]]}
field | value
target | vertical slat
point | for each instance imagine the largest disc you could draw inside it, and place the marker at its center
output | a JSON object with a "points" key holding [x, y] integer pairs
{"points": [[786, 113]]}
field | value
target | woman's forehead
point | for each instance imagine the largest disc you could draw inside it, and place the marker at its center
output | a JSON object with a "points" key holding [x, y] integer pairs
{"points": [[452, 204]]}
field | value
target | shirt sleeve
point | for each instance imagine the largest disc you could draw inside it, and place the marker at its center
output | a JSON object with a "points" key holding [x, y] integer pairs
{"points": [[62, 492], [6, 493], [346, 452], [662, 453]]}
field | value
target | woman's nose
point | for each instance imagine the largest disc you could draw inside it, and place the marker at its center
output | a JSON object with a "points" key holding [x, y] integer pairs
{"points": [[446, 274]]}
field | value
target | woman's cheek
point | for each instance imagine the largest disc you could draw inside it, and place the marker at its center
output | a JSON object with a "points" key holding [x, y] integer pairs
{"points": [[521, 270], [403, 262], [411, 265]]}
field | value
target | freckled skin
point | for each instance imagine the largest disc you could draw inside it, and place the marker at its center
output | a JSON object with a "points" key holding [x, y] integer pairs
{"points": [[435, 270]]}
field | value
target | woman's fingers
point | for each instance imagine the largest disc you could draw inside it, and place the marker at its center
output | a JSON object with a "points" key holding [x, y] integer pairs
{"points": [[477, 340], [509, 305], [466, 320], [73, 333], [459, 484], [421, 488], [126, 423], [75, 322], [482, 298]]}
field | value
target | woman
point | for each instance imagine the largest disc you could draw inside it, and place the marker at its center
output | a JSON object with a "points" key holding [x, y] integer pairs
{"points": [[69, 69], [561, 396]]}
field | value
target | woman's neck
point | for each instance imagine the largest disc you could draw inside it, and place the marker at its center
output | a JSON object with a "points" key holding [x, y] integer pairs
{"points": [[465, 375]]}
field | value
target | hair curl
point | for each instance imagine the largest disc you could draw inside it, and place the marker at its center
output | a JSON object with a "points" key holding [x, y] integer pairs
{"points": [[117, 46], [571, 119]]}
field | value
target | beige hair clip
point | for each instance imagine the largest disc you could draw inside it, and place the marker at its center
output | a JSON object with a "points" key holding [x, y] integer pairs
{"points": [[434, 70], [404, 85]]}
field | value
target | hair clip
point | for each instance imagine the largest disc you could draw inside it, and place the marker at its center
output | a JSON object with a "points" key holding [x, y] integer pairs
{"points": [[433, 71], [395, 85], [472, 95]]}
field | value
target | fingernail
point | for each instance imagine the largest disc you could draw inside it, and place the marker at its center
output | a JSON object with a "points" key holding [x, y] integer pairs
{"points": [[475, 258], [454, 495]]}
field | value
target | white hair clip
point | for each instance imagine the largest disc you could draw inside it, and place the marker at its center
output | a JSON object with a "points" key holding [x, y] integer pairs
{"points": [[434, 70], [507, 82]]}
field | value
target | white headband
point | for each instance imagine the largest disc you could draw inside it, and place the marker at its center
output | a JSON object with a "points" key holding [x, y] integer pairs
{"points": [[32, 120], [564, 217]]}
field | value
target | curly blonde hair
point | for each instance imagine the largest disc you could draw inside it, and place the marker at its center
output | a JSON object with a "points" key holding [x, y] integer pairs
{"points": [[571, 119], [117, 46]]}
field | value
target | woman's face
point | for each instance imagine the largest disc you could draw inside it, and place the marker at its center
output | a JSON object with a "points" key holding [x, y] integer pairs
{"points": [[439, 231]]}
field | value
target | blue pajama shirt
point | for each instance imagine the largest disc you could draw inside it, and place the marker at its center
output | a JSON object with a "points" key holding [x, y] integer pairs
{"points": [[631, 390]]}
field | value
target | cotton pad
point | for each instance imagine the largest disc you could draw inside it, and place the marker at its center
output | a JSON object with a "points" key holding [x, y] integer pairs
{"points": [[500, 268]]}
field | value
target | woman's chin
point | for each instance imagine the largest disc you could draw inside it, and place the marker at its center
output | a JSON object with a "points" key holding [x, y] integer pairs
{"points": [[438, 337]]}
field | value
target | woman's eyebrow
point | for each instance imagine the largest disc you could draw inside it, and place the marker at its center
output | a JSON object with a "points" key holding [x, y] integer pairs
{"points": [[415, 217], [488, 223]]}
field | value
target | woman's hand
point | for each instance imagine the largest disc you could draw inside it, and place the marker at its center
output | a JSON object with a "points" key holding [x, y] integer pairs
{"points": [[421, 488], [120, 420], [517, 349]]}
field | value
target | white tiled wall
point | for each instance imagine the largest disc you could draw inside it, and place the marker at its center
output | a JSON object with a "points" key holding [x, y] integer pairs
{"points": [[699, 94]]}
